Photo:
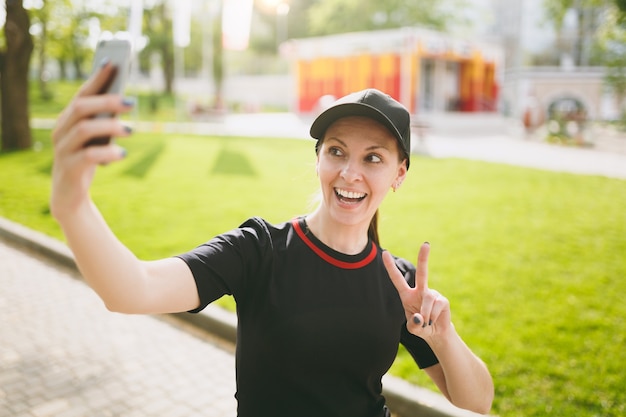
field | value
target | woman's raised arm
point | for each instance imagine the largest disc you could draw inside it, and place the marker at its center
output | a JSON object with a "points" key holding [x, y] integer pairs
{"points": [[125, 283]]}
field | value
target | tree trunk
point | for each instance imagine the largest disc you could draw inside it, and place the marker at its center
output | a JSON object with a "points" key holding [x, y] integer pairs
{"points": [[167, 51], [62, 69], [77, 64], [42, 76], [577, 54], [218, 62], [77, 60], [16, 132], [167, 55]]}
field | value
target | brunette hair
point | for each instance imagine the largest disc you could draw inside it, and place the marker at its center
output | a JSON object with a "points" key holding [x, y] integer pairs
{"points": [[372, 230]]}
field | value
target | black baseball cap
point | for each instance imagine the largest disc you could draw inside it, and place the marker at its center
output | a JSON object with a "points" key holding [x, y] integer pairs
{"points": [[370, 103]]}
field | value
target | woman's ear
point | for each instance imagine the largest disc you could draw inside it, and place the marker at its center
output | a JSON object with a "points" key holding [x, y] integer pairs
{"points": [[402, 171], [318, 145]]}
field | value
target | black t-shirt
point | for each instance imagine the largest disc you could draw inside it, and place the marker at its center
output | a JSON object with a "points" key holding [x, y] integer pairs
{"points": [[317, 329]]}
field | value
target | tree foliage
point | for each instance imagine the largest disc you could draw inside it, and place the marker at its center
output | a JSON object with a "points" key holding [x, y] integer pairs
{"points": [[340, 16], [621, 11], [64, 31], [157, 27], [601, 27], [588, 17], [612, 48], [298, 22], [90, 16]]}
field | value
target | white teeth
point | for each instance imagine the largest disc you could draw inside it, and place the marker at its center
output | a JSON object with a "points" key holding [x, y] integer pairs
{"points": [[349, 194]]}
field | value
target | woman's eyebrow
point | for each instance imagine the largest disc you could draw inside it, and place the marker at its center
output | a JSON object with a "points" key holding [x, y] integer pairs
{"points": [[336, 139], [369, 148], [373, 147]]}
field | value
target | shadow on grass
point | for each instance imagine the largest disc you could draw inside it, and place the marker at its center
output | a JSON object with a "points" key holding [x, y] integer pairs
{"points": [[230, 162], [141, 168]]}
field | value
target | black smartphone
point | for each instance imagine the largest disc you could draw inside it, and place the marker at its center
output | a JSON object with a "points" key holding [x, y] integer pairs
{"points": [[117, 52]]}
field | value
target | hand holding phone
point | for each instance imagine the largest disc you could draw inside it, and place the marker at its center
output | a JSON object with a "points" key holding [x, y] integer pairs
{"points": [[117, 53]]}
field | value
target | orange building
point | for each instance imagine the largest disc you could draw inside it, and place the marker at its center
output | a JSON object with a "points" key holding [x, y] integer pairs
{"points": [[423, 69]]}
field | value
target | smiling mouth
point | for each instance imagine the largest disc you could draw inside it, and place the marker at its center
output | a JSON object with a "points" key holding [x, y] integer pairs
{"points": [[349, 196]]}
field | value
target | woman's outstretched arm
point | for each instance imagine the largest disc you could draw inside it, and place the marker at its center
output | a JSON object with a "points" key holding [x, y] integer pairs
{"points": [[125, 283]]}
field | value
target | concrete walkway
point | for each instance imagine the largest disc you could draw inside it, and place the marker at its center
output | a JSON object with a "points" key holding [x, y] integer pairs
{"points": [[509, 150], [63, 354]]}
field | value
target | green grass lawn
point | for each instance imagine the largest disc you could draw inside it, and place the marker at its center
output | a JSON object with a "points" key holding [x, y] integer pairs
{"points": [[150, 105], [533, 262]]}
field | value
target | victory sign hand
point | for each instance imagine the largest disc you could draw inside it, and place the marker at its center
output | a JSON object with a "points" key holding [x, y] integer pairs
{"points": [[427, 311]]}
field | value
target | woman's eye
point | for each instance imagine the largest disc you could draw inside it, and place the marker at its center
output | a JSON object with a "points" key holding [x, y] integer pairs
{"points": [[335, 151], [374, 158]]}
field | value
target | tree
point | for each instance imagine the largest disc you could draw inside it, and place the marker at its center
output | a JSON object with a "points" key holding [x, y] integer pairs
{"points": [[600, 37], [74, 47], [340, 16], [588, 17], [14, 65], [218, 62], [158, 28], [298, 18], [62, 30], [612, 47], [41, 17], [267, 21], [58, 33], [621, 11]]}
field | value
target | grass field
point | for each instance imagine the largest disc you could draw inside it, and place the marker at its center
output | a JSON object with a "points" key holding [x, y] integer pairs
{"points": [[533, 262], [149, 106]]}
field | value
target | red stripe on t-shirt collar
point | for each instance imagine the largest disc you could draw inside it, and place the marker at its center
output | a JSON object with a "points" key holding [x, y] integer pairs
{"points": [[328, 258]]}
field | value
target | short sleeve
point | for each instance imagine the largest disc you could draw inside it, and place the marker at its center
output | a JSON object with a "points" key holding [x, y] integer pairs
{"points": [[223, 265], [419, 349]]}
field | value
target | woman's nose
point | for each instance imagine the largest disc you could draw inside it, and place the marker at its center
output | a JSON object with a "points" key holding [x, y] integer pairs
{"points": [[350, 172]]}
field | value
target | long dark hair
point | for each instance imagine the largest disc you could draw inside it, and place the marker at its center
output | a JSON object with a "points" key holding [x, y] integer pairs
{"points": [[372, 230]]}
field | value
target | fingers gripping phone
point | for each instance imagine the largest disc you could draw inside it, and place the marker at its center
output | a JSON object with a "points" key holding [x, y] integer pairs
{"points": [[117, 52]]}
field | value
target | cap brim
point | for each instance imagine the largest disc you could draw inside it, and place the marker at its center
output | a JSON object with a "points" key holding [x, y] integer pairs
{"points": [[329, 116]]}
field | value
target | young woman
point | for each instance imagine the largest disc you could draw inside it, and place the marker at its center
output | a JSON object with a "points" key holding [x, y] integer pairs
{"points": [[321, 306]]}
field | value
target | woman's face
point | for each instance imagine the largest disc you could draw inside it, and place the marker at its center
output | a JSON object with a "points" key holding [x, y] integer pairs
{"points": [[358, 162]]}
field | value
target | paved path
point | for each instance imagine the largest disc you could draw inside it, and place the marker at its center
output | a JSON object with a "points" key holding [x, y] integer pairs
{"points": [[63, 354], [512, 151]]}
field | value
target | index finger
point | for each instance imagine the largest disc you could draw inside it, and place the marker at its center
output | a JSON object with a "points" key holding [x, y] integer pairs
{"points": [[421, 272], [394, 273], [91, 87], [99, 79]]}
